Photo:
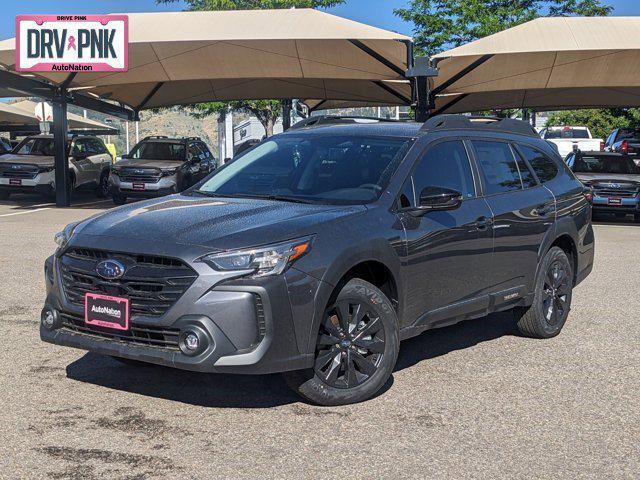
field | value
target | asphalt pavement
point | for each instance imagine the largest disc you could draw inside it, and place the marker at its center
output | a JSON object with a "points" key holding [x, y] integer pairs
{"points": [[474, 400]]}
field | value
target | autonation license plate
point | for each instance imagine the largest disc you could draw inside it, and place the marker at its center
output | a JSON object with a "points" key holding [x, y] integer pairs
{"points": [[615, 201], [139, 186], [106, 311], [15, 181]]}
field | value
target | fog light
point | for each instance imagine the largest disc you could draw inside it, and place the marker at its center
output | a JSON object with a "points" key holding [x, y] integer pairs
{"points": [[191, 341], [49, 318]]}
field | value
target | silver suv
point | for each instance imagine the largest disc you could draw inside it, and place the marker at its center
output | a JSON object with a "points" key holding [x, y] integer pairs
{"points": [[30, 167], [158, 166]]}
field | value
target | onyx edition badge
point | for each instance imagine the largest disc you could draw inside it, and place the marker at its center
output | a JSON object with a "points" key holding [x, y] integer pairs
{"points": [[72, 43]]}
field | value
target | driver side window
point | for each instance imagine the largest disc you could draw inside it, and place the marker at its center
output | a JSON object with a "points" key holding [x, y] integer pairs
{"points": [[445, 164]]}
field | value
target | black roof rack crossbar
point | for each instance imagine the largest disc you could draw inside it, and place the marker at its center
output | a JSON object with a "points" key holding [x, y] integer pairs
{"points": [[463, 122]]}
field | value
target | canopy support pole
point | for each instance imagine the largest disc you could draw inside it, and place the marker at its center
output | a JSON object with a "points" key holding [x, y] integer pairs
{"points": [[286, 114], [420, 72], [61, 162]]}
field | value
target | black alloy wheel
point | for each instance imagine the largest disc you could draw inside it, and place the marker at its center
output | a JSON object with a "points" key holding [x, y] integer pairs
{"points": [[356, 348], [547, 314], [556, 293], [103, 186], [350, 346]]}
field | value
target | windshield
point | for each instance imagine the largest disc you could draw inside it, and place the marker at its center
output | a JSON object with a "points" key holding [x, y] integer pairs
{"points": [[628, 134], [566, 132], [621, 165], [36, 146], [159, 151], [323, 169]]}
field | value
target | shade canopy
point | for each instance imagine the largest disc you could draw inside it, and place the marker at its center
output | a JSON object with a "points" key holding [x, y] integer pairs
{"points": [[14, 116], [551, 63], [180, 58]]}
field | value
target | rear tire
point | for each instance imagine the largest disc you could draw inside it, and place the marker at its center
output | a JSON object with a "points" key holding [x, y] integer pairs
{"points": [[552, 297], [357, 348], [102, 190], [636, 217], [119, 199]]}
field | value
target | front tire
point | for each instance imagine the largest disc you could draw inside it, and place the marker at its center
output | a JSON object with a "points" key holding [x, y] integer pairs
{"points": [[357, 348], [4, 195], [636, 217], [102, 190], [552, 297]]}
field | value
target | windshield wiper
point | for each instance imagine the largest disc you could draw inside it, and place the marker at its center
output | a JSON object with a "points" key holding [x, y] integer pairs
{"points": [[280, 198], [207, 194]]}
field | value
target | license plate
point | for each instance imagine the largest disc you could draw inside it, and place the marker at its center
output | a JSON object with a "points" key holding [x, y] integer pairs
{"points": [[615, 201], [15, 181], [106, 311], [138, 186]]}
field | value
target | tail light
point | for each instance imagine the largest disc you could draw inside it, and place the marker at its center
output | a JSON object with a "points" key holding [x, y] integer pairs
{"points": [[624, 147], [602, 145]]}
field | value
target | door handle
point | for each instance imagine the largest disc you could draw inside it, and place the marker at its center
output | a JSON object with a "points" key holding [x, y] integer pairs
{"points": [[482, 223]]}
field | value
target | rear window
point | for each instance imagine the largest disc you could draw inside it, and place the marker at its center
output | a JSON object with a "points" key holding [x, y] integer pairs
{"points": [[628, 134], [604, 164], [498, 167], [566, 132], [545, 168]]}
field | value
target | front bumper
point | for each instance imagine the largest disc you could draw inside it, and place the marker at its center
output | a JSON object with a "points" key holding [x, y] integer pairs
{"points": [[627, 204], [237, 337], [42, 183], [164, 186]]}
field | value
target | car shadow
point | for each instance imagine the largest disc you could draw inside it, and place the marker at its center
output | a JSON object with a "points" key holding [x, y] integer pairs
{"points": [[80, 200], [265, 391], [610, 219]]}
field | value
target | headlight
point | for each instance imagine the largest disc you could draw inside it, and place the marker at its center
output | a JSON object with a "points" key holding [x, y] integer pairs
{"points": [[63, 237], [260, 262], [166, 173], [45, 169]]}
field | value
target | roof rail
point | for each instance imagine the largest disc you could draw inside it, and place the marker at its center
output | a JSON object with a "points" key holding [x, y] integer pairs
{"points": [[193, 138], [463, 122], [154, 136], [337, 120]]}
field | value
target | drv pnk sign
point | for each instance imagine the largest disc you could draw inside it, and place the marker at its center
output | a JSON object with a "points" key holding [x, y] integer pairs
{"points": [[72, 43]]}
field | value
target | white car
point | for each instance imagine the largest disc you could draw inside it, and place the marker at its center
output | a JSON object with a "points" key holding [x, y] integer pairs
{"points": [[568, 139]]}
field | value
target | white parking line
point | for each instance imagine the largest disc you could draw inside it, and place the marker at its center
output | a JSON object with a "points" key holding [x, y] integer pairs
{"points": [[25, 211]]}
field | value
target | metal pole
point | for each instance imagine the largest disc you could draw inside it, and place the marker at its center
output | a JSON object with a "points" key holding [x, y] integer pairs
{"points": [[422, 107], [137, 137], [286, 114], [60, 148], [127, 133]]}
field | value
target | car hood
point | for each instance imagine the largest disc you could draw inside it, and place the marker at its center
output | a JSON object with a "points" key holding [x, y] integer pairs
{"points": [[40, 160], [605, 179], [217, 223], [146, 163]]}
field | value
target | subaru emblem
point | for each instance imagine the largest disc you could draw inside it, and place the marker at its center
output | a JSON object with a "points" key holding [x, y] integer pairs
{"points": [[110, 269], [614, 185]]}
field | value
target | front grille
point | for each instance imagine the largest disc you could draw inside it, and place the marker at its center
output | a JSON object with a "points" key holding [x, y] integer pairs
{"points": [[150, 336], [18, 171], [146, 175], [614, 192], [153, 284]]}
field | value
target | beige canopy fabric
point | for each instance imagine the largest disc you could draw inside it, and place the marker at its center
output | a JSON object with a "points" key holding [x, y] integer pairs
{"points": [[23, 113], [551, 63], [186, 57]]}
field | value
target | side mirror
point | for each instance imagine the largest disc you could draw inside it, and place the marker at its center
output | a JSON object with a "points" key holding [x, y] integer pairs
{"points": [[125, 156], [439, 198]]}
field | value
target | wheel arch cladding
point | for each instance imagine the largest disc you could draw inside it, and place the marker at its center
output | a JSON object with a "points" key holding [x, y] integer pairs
{"points": [[568, 245], [374, 271]]}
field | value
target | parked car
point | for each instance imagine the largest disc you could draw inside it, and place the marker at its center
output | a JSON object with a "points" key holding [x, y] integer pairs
{"points": [[158, 166], [569, 139], [614, 178], [30, 167], [625, 141], [319, 250]]}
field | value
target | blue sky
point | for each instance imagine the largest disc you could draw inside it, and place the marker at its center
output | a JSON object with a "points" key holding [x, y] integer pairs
{"points": [[374, 12]]}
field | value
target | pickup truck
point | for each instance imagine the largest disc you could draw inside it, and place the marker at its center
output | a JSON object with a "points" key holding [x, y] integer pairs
{"points": [[625, 141], [569, 139]]}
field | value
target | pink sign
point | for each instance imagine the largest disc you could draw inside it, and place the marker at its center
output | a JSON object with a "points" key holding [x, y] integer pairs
{"points": [[72, 43]]}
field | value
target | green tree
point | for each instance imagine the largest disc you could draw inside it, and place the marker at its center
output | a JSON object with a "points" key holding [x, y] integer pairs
{"points": [[601, 122], [442, 24], [266, 111]]}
